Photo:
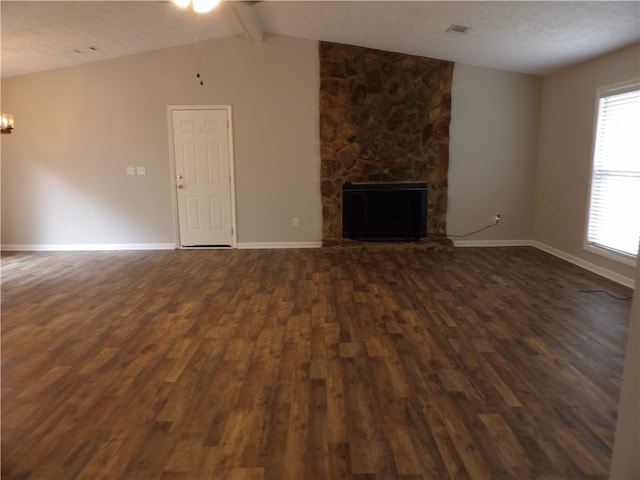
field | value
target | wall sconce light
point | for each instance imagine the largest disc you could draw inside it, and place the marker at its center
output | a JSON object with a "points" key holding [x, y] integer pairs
{"points": [[7, 123], [199, 6]]}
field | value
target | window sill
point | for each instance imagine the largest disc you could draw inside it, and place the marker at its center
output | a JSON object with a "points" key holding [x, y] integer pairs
{"points": [[611, 255]]}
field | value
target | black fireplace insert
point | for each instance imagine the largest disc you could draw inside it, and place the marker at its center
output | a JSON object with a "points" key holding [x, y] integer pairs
{"points": [[384, 211]]}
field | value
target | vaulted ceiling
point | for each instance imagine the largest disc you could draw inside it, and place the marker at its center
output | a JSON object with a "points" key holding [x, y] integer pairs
{"points": [[519, 36]]}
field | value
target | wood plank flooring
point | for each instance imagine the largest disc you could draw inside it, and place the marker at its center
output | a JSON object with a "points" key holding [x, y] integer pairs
{"points": [[308, 364]]}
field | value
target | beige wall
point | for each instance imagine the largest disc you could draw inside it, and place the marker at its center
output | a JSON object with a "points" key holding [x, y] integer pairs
{"points": [[493, 147], [64, 176], [566, 134], [625, 462]]}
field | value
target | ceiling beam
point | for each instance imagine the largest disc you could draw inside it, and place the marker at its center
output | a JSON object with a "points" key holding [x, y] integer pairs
{"points": [[249, 23]]}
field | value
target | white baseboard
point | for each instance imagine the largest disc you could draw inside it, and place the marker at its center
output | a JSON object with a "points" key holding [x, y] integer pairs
{"points": [[603, 272], [88, 247], [278, 245], [492, 243], [606, 273]]}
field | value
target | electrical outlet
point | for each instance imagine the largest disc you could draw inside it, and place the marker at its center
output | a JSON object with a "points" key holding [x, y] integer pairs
{"points": [[497, 218], [131, 170], [295, 221]]}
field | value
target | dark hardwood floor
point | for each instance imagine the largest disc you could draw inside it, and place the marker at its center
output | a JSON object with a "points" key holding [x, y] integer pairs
{"points": [[308, 364]]}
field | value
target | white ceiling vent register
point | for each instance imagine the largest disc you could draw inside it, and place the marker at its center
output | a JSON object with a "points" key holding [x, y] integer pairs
{"points": [[459, 29]]}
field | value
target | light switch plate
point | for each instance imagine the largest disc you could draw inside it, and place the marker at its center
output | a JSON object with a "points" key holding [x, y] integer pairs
{"points": [[141, 170]]}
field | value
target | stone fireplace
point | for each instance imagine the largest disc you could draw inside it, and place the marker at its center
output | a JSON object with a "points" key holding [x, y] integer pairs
{"points": [[383, 117]]}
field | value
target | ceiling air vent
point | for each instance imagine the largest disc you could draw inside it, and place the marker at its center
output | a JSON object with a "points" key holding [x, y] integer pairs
{"points": [[459, 29], [86, 49]]}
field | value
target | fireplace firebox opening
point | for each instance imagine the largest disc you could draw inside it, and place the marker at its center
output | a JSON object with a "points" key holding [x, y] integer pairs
{"points": [[395, 211]]}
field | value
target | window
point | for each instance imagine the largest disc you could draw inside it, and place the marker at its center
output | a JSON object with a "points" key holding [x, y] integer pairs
{"points": [[614, 208]]}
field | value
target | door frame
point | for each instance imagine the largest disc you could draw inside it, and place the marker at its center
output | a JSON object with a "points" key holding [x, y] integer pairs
{"points": [[172, 170]]}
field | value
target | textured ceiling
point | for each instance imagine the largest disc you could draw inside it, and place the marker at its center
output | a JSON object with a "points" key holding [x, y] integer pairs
{"points": [[519, 36]]}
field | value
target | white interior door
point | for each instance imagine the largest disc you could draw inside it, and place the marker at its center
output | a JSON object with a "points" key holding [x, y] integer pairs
{"points": [[203, 177]]}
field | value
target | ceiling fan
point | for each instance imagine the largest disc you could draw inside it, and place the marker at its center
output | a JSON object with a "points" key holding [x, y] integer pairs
{"points": [[205, 6], [199, 6]]}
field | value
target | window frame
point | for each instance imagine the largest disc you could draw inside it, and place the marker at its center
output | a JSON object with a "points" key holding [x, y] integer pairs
{"points": [[601, 92]]}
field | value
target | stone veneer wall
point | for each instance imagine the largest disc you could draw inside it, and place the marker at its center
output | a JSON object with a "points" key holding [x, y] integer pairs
{"points": [[383, 117]]}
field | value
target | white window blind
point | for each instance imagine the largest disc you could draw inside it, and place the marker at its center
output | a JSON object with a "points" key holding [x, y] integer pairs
{"points": [[614, 211]]}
